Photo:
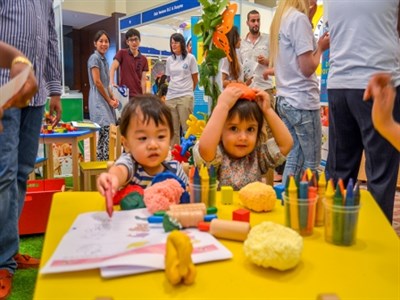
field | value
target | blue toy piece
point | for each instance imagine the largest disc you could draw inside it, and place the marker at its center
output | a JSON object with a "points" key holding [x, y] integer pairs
{"points": [[186, 144], [185, 198]]}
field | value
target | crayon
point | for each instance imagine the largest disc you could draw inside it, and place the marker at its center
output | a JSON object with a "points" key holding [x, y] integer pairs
{"points": [[205, 184], [329, 193], [303, 207], [337, 216], [319, 218], [109, 201], [312, 203], [348, 224], [213, 181], [293, 204], [196, 191]]}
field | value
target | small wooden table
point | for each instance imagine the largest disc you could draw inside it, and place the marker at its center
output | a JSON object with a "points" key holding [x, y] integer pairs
{"points": [[72, 138]]}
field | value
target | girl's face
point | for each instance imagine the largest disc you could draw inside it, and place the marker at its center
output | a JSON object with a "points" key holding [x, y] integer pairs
{"points": [[102, 44], [239, 137], [176, 47], [147, 143]]}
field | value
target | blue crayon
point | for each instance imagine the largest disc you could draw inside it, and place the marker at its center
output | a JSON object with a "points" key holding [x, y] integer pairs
{"points": [[303, 207]]}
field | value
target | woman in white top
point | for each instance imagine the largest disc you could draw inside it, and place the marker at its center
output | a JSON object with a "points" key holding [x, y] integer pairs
{"points": [[295, 57], [182, 70]]}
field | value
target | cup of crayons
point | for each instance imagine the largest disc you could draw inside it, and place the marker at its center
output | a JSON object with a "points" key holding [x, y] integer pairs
{"points": [[341, 212], [300, 201], [203, 185]]}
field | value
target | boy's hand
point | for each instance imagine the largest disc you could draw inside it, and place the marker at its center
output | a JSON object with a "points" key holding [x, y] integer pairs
{"points": [[229, 96], [262, 99], [104, 181]]}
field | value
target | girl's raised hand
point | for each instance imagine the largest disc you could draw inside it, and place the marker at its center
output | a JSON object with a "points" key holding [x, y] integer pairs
{"points": [[262, 99], [229, 96]]}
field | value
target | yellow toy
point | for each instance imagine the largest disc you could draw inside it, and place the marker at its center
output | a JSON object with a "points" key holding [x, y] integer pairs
{"points": [[178, 261], [195, 126]]}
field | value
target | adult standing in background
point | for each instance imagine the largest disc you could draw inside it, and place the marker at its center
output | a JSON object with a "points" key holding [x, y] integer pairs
{"points": [[102, 103], [295, 57], [29, 26], [182, 70], [364, 41], [254, 52], [133, 65]]}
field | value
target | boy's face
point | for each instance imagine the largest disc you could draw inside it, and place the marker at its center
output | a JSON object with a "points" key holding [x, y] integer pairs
{"points": [[239, 137], [147, 143], [133, 43]]}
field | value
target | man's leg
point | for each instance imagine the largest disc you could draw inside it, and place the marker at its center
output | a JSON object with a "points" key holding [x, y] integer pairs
{"points": [[9, 239], [382, 159]]}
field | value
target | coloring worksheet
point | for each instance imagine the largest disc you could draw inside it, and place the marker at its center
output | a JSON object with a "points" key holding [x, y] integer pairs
{"points": [[124, 244]]}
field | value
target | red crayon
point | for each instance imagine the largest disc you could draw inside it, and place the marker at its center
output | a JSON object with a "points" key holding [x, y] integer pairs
{"points": [[109, 201]]}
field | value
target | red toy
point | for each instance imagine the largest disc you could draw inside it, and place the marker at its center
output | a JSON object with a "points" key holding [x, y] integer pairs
{"points": [[241, 214], [176, 154], [125, 191]]}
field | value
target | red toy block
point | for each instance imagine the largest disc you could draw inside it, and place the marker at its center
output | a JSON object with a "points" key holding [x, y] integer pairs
{"points": [[241, 214]]}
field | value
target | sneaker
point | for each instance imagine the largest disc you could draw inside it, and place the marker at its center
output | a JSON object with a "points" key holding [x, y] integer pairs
{"points": [[5, 284], [25, 261]]}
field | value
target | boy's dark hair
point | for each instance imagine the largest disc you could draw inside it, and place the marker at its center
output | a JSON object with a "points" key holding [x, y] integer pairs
{"points": [[132, 32], [177, 37], [151, 107], [98, 35], [248, 110]]}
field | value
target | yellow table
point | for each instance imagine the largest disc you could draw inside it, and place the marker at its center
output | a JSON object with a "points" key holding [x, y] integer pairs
{"points": [[72, 138], [368, 270]]}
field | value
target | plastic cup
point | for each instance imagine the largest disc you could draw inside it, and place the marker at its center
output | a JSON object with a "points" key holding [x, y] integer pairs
{"points": [[300, 214], [340, 223], [203, 194]]}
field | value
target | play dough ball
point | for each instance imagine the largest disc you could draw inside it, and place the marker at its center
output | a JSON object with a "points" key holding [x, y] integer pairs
{"points": [[273, 245], [258, 196]]}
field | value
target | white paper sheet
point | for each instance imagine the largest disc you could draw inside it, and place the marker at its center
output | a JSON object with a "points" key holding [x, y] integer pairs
{"points": [[125, 244], [13, 86]]}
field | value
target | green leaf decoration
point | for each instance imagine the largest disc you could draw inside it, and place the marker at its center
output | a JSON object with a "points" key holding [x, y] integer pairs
{"points": [[205, 29]]}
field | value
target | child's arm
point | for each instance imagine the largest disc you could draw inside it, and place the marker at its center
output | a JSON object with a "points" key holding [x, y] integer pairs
{"points": [[211, 135], [116, 175], [383, 94], [279, 130]]}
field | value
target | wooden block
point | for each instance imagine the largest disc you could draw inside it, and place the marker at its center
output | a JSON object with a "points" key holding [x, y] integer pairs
{"points": [[226, 195], [241, 214]]}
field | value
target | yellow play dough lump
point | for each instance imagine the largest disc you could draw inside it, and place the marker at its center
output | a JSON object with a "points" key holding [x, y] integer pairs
{"points": [[258, 196], [178, 261], [273, 245]]}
